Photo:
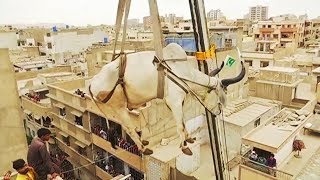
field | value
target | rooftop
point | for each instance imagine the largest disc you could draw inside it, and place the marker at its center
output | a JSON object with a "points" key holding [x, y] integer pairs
{"points": [[280, 69], [247, 115], [279, 129]]}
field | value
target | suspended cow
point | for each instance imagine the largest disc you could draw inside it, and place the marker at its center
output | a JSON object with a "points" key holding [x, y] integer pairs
{"points": [[140, 86]]}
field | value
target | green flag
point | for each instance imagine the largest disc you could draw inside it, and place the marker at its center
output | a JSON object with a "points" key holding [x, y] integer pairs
{"points": [[229, 61]]}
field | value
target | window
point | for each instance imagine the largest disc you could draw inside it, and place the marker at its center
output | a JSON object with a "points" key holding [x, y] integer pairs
{"points": [[269, 26], [82, 151], [66, 140], [48, 35], [249, 62], [264, 63], [228, 43], [275, 36], [49, 45], [78, 120], [136, 174], [62, 111], [257, 123]]}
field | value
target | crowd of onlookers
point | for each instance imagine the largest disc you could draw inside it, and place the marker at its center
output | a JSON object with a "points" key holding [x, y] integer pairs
{"points": [[111, 136], [33, 96], [105, 163], [271, 161]]}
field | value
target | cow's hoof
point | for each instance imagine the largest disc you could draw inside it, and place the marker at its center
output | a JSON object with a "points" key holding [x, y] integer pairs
{"points": [[145, 143], [190, 140], [187, 151], [147, 152]]}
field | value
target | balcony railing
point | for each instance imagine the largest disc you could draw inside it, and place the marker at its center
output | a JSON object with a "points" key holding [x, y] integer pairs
{"points": [[288, 30], [76, 157], [278, 174], [269, 30], [131, 159]]}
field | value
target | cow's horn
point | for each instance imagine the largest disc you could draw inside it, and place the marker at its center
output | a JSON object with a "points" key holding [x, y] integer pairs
{"points": [[227, 82], [216, 71]]}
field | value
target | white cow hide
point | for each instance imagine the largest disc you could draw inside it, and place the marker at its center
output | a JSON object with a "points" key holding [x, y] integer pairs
{"points": [[140, 80]]}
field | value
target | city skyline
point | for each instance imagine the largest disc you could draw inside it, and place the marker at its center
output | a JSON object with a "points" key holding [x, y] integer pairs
{"points": [[97, 12]]}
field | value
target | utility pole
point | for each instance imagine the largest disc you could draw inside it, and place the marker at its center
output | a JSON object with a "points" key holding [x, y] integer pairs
{"points": [[201, 36]]}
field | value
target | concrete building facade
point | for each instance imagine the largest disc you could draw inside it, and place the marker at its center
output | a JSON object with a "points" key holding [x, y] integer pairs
{"points": [[258, 13], [8, 39], [214, 15], [13, 139]]}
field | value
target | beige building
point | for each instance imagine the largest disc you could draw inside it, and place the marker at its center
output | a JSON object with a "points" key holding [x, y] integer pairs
{"points": [[215, 15], [258, 13], [13, 140], [278, 34], [281, 130]]}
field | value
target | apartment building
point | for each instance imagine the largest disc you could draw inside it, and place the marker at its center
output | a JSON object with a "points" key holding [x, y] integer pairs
{"points": [[215, 15], [79, 132], [258, 13], [71, 40], [270, 33], [147, 22]]}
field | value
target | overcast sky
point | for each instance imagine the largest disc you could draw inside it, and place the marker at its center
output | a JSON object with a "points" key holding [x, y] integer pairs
{"points": [[83, 12]]}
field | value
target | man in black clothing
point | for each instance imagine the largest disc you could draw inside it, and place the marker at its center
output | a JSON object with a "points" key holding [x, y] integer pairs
{"points": [[112, 136]]}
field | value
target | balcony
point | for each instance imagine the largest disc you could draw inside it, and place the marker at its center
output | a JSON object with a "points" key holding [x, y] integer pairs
{"points": [[266, 30], [286, 39], [262, 170], [131, 159], [75, 157], [35, 107], [288, 30], [63, 124]]}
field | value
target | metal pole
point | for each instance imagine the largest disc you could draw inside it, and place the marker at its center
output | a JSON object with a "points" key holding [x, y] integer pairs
{"points": [[200, 30]]}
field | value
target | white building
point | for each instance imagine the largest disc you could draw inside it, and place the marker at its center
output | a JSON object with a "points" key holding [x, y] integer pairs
{"points": [[215, 14], [72, 41], [8, 39], [258, 13]]}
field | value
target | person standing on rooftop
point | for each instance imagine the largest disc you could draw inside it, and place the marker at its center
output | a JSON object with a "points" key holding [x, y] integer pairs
{"points": [[39, 158]]}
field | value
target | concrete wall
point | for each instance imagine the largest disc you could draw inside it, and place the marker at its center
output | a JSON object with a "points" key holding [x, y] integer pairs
{"points": [[8, 40], [247, 173], [13, 143], [73, 42], [33, 74], [276, 92]]}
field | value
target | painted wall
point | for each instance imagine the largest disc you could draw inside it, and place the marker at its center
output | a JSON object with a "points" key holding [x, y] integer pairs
{"points": [[12, 145], [73, 41], [8, 40]]}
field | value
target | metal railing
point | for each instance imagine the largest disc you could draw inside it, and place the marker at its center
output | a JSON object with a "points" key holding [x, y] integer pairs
{"points": [[278, 174]]}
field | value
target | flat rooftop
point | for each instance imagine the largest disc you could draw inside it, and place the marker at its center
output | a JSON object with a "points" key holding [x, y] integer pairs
{"points": [[273, 135], [280, 69], [247, 115]]}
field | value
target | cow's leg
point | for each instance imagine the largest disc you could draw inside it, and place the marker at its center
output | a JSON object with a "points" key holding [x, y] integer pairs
{"points": [[188, 138], [130, 130], [174, 102]]}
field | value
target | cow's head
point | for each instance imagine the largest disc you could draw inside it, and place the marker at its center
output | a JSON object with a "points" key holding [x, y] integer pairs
{"points": [[218, 94]]}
